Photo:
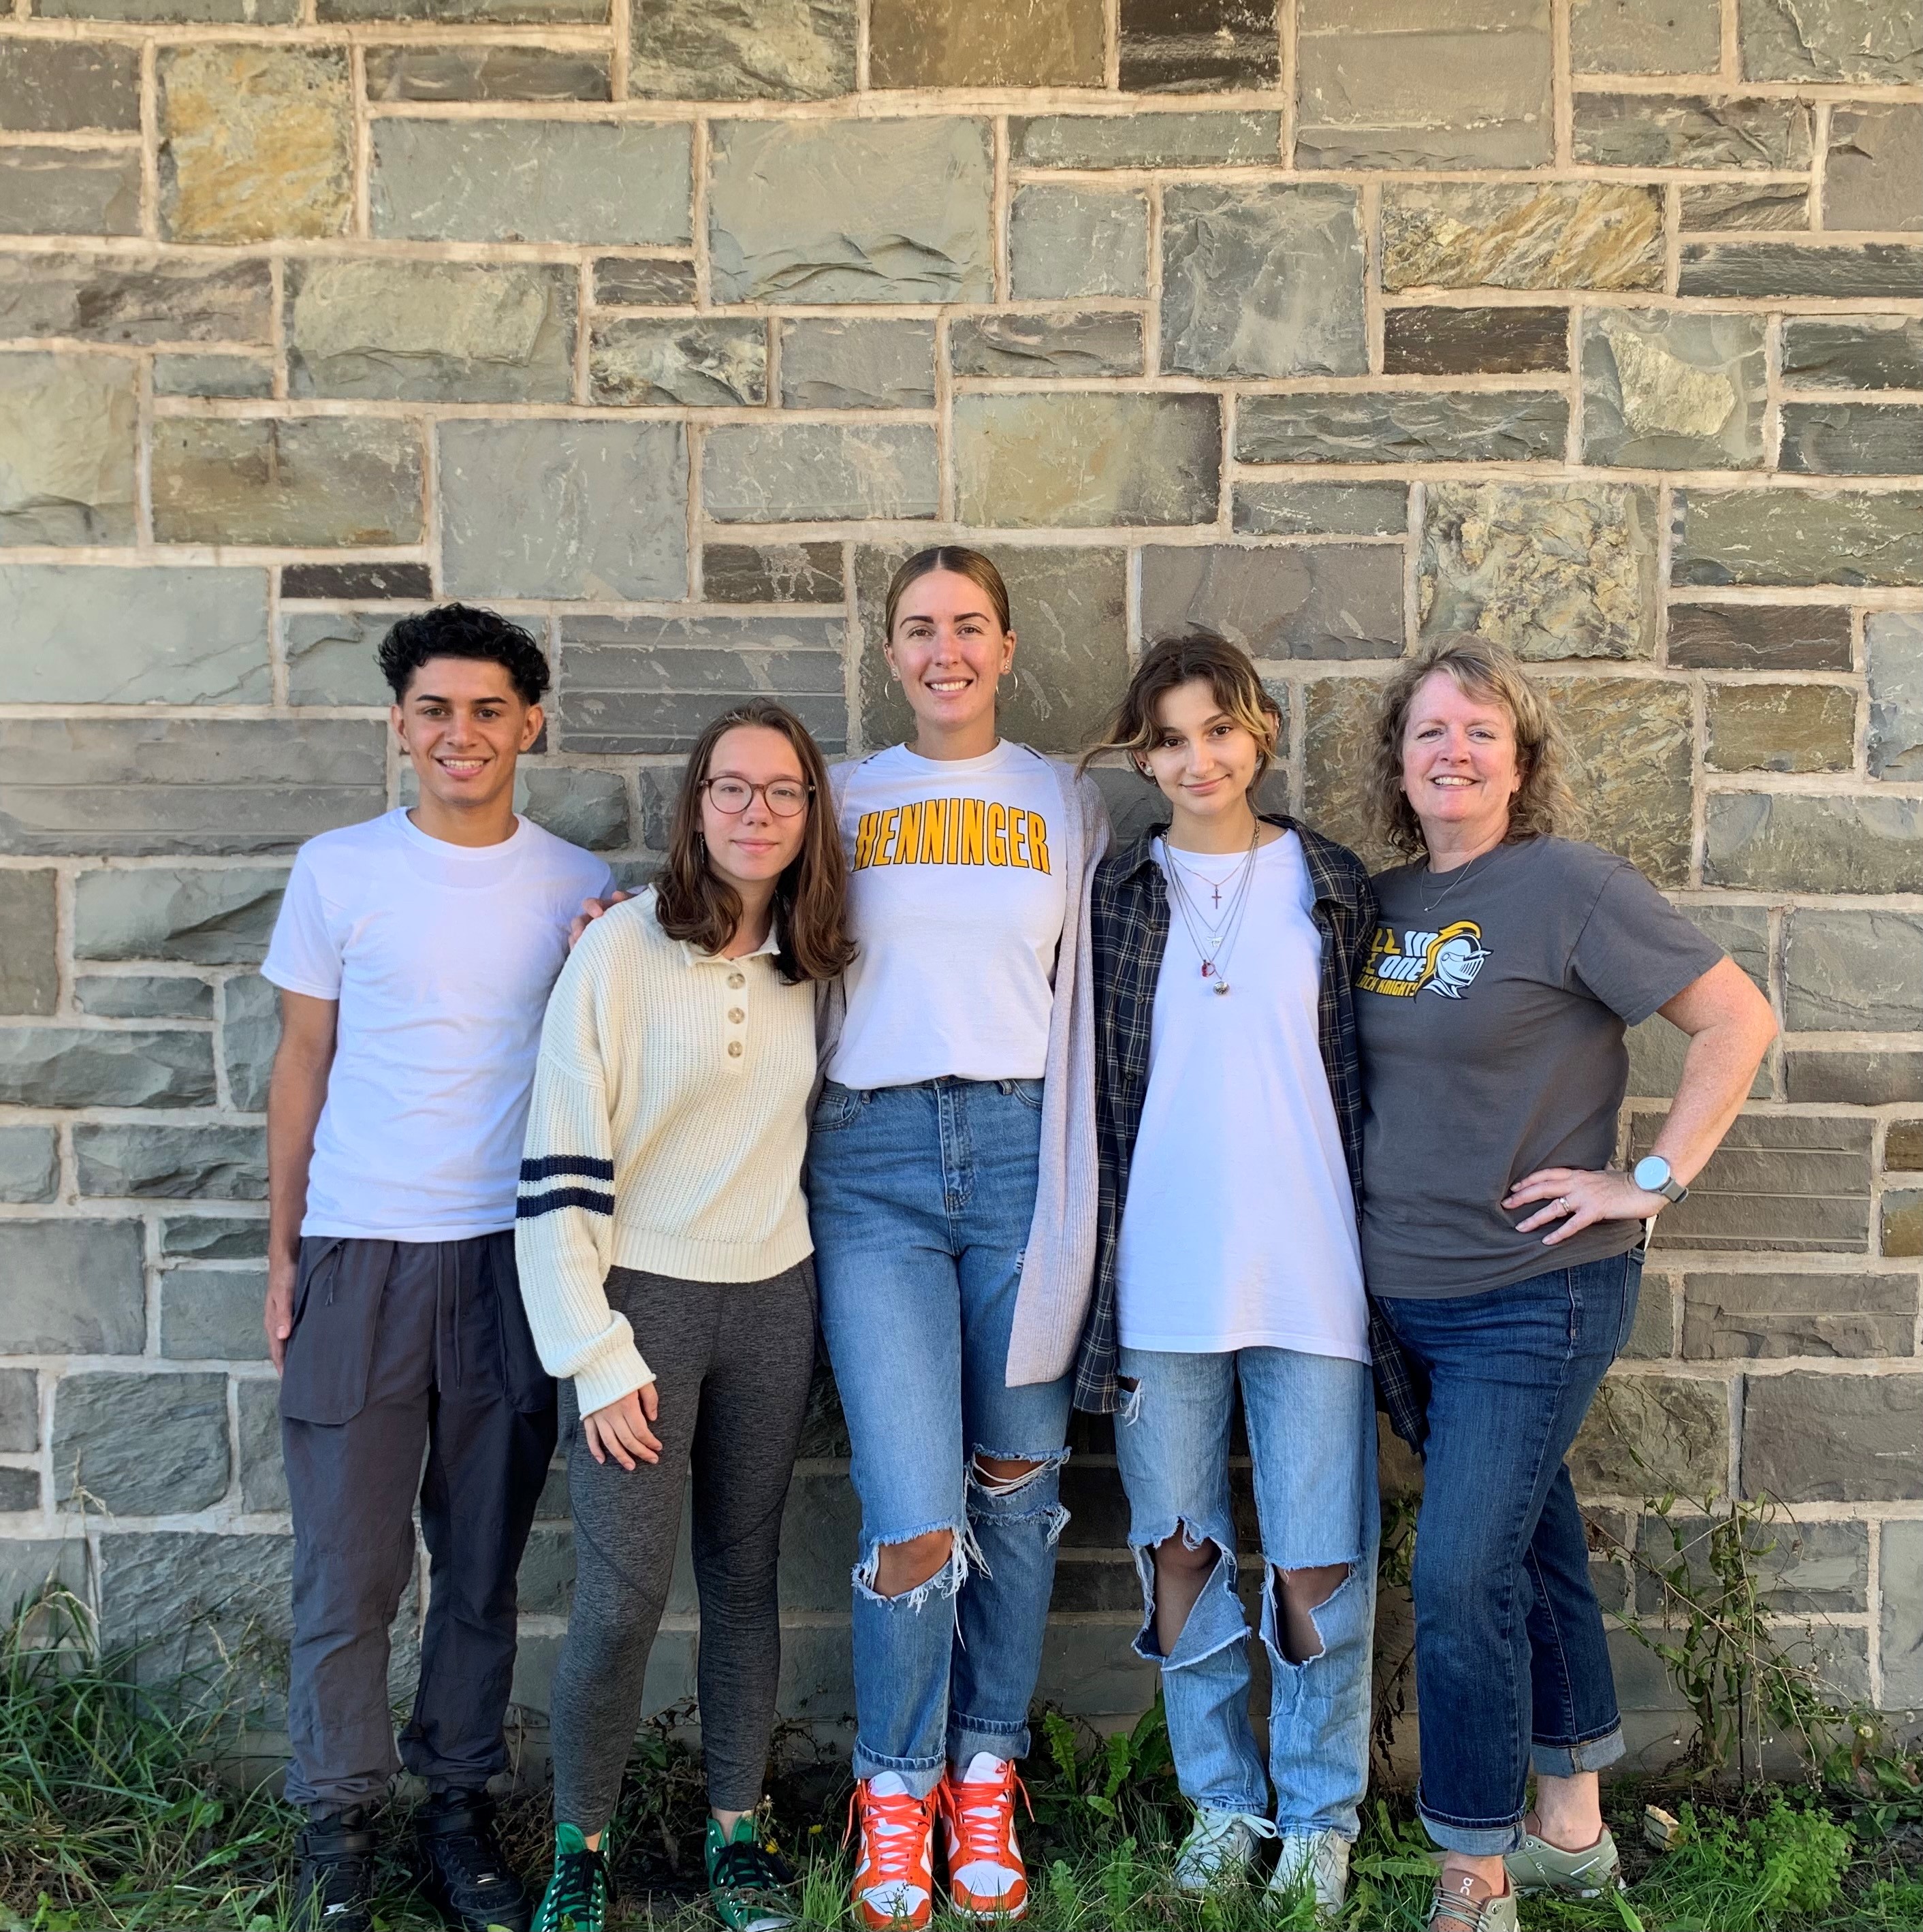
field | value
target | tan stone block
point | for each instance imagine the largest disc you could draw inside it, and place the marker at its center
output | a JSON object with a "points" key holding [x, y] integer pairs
{"points": [[1562, 235], [1646, 36], [1646, 1434], [1631, 737], [1902, 1149], [961, 43], [1781, 727], [256, 143], [1338, 743], [67, 439], [1903, 1222]]}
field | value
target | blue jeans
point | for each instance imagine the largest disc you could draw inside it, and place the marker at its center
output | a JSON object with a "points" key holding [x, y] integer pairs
{"points": [[1512, 1665], [921, 1198], [1311, 1438]]}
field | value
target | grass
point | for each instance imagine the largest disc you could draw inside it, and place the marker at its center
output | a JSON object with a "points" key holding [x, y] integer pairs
{"points": [[113, 1818]]}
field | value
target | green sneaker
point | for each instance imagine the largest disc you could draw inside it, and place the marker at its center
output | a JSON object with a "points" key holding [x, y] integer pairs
{"points": [[576, 1900], [1536, 1865], [750, 1883]]}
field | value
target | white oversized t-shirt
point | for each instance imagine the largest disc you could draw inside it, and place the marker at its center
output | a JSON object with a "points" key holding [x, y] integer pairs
{"points": [[442, 958], [1239, 1229], [956, 901]]}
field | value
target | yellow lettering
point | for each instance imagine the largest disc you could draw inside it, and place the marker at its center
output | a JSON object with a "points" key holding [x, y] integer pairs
{"points": [[952, 856], [865, 840], [1017, 839], [997, 834], [1038, 841], [934, 830], [908, 844], [974, 819], [891, 821]]}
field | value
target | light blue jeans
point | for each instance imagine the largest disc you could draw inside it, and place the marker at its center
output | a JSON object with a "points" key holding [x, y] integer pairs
{"points": [[1311, 1438], [920, 1198]]}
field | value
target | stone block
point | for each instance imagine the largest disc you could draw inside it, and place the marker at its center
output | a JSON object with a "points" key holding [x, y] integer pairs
{"points": [[1780, 727], [141, 1444], [29, 1164], [1784, 1182], [1893, 645], [27, 1566], [1501, 341], [850, 211], [1410, 86], [144, 996], [20, 1492], [1322, 601], [263, 1477], [233, 376], [1828, 40], [301, 482], [361, 581], [208, 917], [122, 786], [1091, 342], [1744, 1317], [1903, 1147], [249, 1032], [256, 143], [1205, 140], [862, 363], [1019, 44], [743, 49], [1801, 1568], [1549, 234], [1322, 509], [636, 360], [29, 967], [131, 300], [331, 657], [1652, 1336], [1631, 738], [1873, 174], [431, 332], [1066, 241], [1550, 570], [249, 12], [413, 73], [1811, 1437], [19, 1412], [1798, 537], [1416, 426], [64, 190], [532, 181], [1748, 268], [69, 87], [80, 1067], [1842, 439], [196, 1603], [634, 686], [588, 808], [1646, 36], [1759, 636], [1656, 1048], [1177, 46], [214, 1237], [1672, 390], [209, 1315], [601, 509], [1855, 970], [490, 13], [71, 1287], [67, 449], [126, 1160], [1085, 459], [1647, 131], [1901, 1614], [1648, 1434], [638, 281], [1853, 352], [1903, 1222], [817, 472], [797, 573], [1338, 746], [1262, 281], [1858, 1079], [1070, 606], [1745, 205]]}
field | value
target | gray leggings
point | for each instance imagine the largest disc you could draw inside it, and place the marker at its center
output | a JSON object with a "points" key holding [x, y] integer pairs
{"points": [[732, 1362]]}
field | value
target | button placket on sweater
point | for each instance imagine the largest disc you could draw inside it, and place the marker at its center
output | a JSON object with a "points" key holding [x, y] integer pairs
{"points": [[735, 1013]]}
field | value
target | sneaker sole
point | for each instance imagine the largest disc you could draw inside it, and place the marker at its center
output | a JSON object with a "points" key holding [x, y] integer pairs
{"points": [[986, 1915]]}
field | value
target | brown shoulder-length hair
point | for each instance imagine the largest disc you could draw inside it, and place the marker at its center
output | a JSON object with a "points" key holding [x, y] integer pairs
{"points": [[1543, 806], [1174, 661], [978, 569], [812, 895]]}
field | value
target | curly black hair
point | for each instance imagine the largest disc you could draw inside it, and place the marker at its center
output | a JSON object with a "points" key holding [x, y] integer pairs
{"points": [[460, 630]]}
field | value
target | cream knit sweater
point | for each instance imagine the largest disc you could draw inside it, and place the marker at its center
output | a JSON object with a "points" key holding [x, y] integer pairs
{"points": [[666, 1133]]}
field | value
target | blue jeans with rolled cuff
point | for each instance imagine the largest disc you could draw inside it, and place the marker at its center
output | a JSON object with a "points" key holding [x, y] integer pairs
{"points": [[1512, 1664], [920, 1198]]}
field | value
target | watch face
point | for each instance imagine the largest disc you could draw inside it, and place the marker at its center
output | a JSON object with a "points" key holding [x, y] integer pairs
{"points": [[1651, 1171]]}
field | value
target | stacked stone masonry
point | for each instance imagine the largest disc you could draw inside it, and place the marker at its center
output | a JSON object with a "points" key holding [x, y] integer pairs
{"points": [[1594, 326]]}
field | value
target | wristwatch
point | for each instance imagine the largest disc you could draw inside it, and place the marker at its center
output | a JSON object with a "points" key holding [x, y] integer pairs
{"points": [[1652, 1173]]}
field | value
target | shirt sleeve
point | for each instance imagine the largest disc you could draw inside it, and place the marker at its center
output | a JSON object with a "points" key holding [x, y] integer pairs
{"points": [[1636, 952], [304, 954]]}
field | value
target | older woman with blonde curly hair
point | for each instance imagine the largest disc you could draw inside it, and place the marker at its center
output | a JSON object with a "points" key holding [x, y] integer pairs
{"points": [[1501, 1246]]}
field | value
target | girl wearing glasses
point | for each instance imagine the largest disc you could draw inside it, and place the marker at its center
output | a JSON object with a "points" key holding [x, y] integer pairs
{"points": [[664, 1248]]}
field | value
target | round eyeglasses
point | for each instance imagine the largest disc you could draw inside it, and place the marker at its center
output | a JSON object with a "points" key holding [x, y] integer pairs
{"points": [[785, 798]]}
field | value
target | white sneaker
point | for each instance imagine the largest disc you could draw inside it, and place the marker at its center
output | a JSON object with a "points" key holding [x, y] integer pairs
{"points": [[1219, 1850], [1319, 1860]]}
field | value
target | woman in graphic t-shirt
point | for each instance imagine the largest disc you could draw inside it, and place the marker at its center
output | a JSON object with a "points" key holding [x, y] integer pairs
{"points": [[1498, 1239], [952, 1193], [1229, 1118]]}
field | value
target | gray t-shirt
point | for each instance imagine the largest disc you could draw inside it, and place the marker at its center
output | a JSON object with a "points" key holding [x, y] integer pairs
{"points": [[1492, 1014]]}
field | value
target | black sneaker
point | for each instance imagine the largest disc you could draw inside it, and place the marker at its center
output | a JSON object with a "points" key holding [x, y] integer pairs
{"points": [[466, 1874], [334, 1883]]}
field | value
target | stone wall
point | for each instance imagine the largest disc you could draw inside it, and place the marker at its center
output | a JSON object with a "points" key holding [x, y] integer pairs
{"points": [[1593, 325]]}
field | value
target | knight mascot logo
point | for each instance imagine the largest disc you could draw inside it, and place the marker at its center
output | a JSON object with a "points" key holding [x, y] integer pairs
{"points": [[1445, 962]]}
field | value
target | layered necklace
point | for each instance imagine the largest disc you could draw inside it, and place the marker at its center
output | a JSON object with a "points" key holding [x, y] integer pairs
{"points": [[1222, 923]]}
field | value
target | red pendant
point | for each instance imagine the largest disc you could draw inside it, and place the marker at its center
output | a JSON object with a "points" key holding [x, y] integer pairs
{"points": [[1208, 971]]}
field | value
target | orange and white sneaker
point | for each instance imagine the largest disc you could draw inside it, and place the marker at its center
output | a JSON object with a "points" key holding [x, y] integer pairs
{"points": [[986, 1878], [894, 1882]]}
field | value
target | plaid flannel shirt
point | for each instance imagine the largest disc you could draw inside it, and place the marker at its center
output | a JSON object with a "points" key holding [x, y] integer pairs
{"points": [[1129, 931]]}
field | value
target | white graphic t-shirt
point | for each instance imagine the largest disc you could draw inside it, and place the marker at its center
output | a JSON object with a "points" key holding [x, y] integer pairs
{"points": [[956, 902], [442, 958]]}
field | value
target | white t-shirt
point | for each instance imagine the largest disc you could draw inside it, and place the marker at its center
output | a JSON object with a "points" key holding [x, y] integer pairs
{"points": [[956, 900], [1239, 1230], [442, 957]]}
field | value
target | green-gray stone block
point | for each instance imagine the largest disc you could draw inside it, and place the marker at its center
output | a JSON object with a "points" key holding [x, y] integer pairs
{"points": [[143, 996], [1853, 351], [1673, 391], [1873, 1078], [206, 916], [1317, 601], [1873, 174], [810, 473], [532, 181], [1656, 1048], [1893, 645], [1262, 281], [29, 968], [1809, 1437], [134, 300], [861, 363], [71, 190], [1783, 842], [1801, 1568], [1648, 1433], [1077, 241], [19, 1412], [1830, 40], [742, 50], [249, 1032], [71, 1288], [1840, 439], [1646, 36], [1416, 426], [1746, 268], [29, 1164], [1857, 971], [1091, 342], [141, 1444], [68, 87], [1900, 1618], [263, 1478], [125, 1159], [1798, 537], [1764, 1317], [1745, 205], [407, 72], [213, 1315], [642, 281], [81, 1067], [330, 658], [1644, 130], [211, 376], [850, 211], [214, 1237], [601, 509], [1322, 509], [67, 449], [1173, 140], [587, 807], [796, 573], [704, 363]]}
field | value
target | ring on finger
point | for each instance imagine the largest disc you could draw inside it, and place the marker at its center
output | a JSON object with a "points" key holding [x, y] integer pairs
{"points": [[1562, 1204]]}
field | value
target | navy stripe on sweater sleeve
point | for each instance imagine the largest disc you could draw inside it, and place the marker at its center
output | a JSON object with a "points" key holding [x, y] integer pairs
{"points": [[530, 1206], [550, 1165]]}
